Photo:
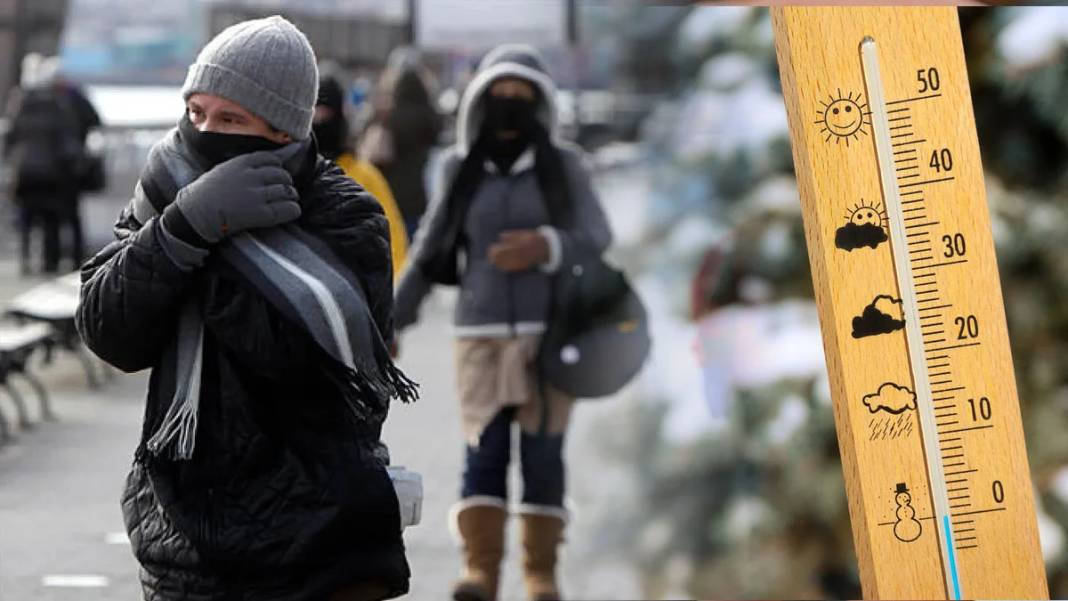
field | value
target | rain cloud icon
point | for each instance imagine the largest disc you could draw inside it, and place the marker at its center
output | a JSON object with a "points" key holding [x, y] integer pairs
{"points": [[891, 398]]}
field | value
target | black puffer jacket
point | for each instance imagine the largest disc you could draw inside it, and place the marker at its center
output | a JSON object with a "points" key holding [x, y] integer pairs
{"points": [[281, 499]]}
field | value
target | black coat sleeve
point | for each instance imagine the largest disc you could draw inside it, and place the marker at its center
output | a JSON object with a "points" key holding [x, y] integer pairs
{"points": [[131, 296]]}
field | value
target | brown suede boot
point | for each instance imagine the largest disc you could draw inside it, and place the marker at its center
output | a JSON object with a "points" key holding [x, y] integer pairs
{"points": [[482, 529], [541, 535]]}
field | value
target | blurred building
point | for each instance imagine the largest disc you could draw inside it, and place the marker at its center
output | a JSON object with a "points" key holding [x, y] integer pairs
{"points": [[131, 41], [386, 10], [122, 42], [27, 26], [356, 34]]}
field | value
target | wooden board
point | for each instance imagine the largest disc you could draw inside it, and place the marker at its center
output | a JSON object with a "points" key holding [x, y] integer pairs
{"points": [[864, 305]]}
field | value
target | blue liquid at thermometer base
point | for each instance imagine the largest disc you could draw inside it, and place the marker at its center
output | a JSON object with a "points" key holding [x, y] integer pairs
{"points": [[952, 559]]}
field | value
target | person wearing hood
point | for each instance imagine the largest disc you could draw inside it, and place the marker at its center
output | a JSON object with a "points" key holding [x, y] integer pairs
{"points": [[44, 147], [402, 132], [252, 277], [331, 129], [512, 204]]}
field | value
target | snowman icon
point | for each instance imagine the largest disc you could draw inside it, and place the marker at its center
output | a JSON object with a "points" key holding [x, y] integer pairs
{"points": [[907, 528]]}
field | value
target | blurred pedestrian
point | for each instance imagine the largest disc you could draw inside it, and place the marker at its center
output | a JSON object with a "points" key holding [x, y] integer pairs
{"points": [[402, 132], [514, 202], [91, 174], [44, 148], [253, 277], [331, 128]]}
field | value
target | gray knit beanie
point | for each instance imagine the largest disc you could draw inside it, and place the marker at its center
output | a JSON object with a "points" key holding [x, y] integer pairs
{"points": [[265, 65]]}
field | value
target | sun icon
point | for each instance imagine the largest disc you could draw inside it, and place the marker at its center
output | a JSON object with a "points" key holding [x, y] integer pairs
{"points": [[844, 117], [866, 214]]}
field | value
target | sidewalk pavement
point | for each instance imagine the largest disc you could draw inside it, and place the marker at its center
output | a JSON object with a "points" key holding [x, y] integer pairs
{"points": [[60, 483]]}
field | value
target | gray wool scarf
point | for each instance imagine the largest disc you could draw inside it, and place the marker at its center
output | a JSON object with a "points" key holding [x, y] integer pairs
{"points": [[299, 275]]}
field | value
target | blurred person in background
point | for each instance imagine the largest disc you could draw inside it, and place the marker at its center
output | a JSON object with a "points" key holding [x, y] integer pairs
{"points": [[45, 148], [253, 277], [90, 176], [331, 128], [402, 131], [514, 201]]}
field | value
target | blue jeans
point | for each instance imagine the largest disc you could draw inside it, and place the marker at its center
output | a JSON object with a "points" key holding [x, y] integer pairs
{"points": [[541, 459]]}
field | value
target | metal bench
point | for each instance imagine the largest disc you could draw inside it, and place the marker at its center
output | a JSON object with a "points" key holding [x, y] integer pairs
{"points": [[54, 303], [17, 344]]}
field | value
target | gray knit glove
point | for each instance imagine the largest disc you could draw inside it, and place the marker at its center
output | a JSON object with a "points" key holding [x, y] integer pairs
{"points": [[248, 191]]}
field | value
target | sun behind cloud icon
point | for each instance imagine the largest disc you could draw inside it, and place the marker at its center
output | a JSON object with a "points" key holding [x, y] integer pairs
{"points": [[844, 117], [865, 226]]}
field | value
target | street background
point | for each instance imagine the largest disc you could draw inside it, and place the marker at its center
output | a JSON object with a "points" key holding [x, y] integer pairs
{"points": [[716, 473]]}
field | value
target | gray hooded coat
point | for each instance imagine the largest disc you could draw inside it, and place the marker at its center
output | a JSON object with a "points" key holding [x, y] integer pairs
{"points": [[492, 302]]}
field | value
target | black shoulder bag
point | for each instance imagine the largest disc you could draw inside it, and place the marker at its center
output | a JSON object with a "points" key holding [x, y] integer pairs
{"points": [[597, 335], [598, 332]]}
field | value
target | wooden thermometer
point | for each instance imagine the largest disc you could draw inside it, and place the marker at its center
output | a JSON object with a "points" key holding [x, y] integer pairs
{"points": [[906, 281]]}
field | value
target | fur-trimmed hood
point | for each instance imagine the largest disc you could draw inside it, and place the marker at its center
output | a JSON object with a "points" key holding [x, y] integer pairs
{"points": [[508, 60]]}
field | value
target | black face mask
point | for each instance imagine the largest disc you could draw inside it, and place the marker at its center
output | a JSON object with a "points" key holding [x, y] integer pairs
{"points": [[330, 136], [510, 113], [217, 148]]}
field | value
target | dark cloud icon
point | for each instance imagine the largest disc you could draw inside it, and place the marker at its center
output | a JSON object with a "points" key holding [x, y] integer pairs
{"points": [[882, 316], [864, 228], [851, 236]]}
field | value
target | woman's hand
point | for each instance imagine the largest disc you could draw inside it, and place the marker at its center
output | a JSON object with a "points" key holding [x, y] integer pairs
{"points": [[519, 250]]}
